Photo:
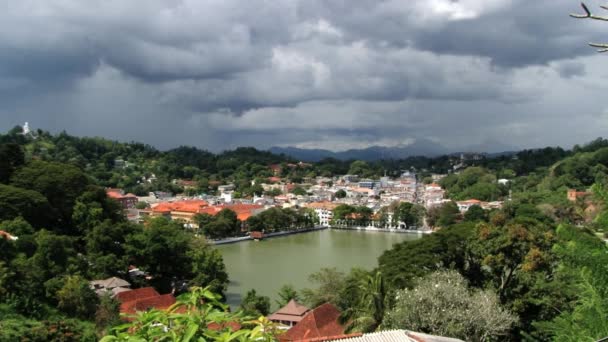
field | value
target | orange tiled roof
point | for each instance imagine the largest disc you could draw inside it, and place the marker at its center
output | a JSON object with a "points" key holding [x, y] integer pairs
{"points": [[320, 322], [191, 206], [7, 235], [160, 302], [114, 194], [144, 292], [243, 211]]}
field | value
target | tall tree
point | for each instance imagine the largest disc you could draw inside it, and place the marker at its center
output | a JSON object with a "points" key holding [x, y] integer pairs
{"points": [[61, 184], [287, 293], [12, 157], [441, 304], [255, 305]]}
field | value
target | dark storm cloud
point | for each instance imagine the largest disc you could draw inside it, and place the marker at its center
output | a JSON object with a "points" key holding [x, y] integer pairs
{"points": [[309, 73]]}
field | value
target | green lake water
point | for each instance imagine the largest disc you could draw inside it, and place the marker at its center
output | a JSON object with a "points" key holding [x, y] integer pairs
{"points": [[269, 264]]}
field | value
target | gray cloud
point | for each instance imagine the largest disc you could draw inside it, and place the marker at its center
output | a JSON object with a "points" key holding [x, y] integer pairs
{"points": [[219, 74]]}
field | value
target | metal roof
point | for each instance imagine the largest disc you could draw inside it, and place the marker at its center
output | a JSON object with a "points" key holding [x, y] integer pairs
{"points": [[398, 336]]}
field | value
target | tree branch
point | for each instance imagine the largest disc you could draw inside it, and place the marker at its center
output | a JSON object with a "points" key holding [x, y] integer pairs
{"points": [[602, 46], [588, 14]]}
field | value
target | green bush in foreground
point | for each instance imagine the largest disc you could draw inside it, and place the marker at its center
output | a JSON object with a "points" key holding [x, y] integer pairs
{"points": [[189, 319]]}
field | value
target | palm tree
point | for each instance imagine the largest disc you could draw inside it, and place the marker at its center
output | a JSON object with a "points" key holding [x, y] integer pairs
{"points": [[369, 311]]}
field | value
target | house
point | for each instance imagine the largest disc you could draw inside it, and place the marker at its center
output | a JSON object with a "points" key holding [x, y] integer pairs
{"points": [[276, 169], [127, 201], [186, 184], [432, 187], [143, 299], [324, 211], [574, 195], [368, 183], [7, 236], [225, 188], [291, 314], [322, 322], [464, 206], [113, 284]]}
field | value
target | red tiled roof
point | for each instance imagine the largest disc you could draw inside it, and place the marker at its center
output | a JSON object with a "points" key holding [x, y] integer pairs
{"points": [[144, 292], [320, 322], [191, 206], [7, 235], [243, 211], [158, 302], [114, 194]]}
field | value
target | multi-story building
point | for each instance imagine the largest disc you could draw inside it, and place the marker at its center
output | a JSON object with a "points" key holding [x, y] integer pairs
{"points": [[324, 211], [127, 201]]}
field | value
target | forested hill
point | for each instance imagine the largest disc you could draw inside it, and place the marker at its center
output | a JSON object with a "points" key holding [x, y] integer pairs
{"points": [[132, 166]]}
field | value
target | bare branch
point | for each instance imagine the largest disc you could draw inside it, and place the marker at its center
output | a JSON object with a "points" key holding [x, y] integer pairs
{"points": [[588, 14], [602, 46]]}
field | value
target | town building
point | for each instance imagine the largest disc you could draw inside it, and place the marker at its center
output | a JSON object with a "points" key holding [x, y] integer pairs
{"points": [[114, 285], [324, 211], [464, 206], [143, 299], [127, 201], [574, 195], [290, 314], [7, 236], [322, 322], [187, 209]]}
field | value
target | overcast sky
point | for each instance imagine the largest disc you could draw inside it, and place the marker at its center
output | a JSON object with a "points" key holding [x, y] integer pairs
{"points": [[332, 74]]}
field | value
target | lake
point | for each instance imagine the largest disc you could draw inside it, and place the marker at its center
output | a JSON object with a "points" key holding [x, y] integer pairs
{"points": [[269, 264]]}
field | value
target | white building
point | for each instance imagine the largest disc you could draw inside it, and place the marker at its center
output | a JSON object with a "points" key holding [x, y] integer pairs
{"points": [[324, 211]]}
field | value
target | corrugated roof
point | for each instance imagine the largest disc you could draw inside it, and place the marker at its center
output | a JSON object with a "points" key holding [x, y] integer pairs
{"points": [[382, 336], [396, 336]]}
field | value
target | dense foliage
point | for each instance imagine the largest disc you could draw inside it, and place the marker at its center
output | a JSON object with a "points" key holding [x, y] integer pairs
{"points": [[539, 263], [442, 303], [197, 316], [68, 233]]}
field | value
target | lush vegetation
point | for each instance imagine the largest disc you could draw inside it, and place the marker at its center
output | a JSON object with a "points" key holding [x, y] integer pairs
{"points": [[535, 269], [196, 316], [68, 233]]}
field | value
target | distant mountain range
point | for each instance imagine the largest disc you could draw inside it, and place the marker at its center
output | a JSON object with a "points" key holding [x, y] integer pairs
{"points": [[421, 147]]}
